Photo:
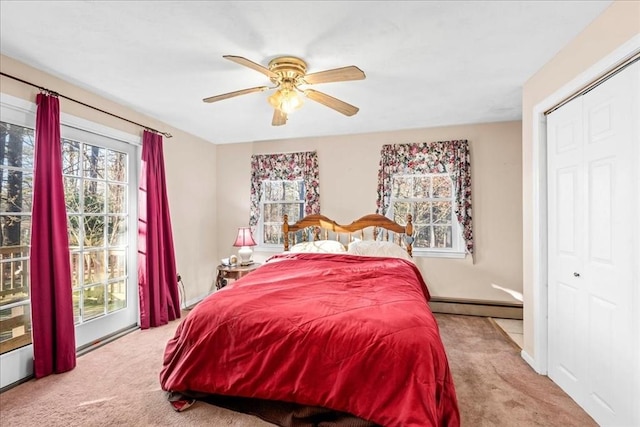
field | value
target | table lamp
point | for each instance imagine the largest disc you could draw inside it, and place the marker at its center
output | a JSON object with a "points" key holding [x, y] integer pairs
{"points": [[244, 240]]}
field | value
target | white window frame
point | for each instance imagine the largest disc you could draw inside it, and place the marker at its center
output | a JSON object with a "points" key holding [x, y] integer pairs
{"points": [[458, 244], [260, 226]]}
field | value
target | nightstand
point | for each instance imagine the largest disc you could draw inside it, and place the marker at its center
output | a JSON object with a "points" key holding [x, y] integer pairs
{"points": [[234, 272]]}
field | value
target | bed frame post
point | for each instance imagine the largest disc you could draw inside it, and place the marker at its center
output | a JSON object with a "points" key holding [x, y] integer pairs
{"points": [[409, 234], [285, 232]]}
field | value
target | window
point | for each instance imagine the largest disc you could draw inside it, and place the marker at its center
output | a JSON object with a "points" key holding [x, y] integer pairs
{"points": [[432, 182], [430, 200], [279, 198], [16, 184], [281, 184]]}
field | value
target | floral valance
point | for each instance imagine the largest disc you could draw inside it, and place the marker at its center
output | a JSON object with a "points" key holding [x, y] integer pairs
{"points": [[289, 166], [451, 157]]}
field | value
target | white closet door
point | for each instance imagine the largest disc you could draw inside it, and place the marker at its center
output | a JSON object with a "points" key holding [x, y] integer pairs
{"points": [[592, 191], [567, 316]]}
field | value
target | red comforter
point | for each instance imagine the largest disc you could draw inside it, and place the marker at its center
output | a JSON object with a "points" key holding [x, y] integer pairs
{"points": [[345, 332]]}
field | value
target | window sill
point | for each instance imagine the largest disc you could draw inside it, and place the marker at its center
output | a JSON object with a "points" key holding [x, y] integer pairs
{"points": [[423, 253], [417, 253]]}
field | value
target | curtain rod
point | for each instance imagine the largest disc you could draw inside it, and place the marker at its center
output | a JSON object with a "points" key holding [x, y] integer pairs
{"points": [[166, 134], [631, 59]]}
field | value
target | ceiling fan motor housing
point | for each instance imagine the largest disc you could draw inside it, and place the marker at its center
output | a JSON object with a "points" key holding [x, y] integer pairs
{"points": [[288, 68]]}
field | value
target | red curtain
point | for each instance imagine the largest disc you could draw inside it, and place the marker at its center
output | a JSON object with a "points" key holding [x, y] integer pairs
{"points": [[54, 345], [157, 277]]}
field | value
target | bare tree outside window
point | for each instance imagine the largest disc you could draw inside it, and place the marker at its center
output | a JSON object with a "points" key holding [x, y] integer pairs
{"points": [[280, 198], [96, 189], [429, 199]]}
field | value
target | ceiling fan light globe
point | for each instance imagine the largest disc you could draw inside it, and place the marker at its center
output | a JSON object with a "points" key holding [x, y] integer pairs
{"points": [[275, 99], [287, 101], [291, 102]]}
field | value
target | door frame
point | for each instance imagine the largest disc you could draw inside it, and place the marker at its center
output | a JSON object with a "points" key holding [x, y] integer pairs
{"points": [[539, 361]]}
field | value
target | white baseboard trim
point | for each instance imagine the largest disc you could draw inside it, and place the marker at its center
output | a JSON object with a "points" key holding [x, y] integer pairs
{"points": [[531, 361], [482, 308], [190, 303]]}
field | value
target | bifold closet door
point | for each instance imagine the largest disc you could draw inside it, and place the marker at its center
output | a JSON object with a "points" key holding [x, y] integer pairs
{"points": [[592, 177]]}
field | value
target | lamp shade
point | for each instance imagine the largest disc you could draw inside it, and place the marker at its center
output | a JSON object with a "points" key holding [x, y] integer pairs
{"points": [[244, 237]]}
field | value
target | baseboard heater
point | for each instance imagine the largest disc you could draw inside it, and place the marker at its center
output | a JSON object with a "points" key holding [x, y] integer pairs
{"points": [[498, 309]]}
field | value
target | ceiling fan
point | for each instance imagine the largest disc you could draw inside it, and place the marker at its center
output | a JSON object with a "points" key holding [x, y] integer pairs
{"points": [[289, 73]]}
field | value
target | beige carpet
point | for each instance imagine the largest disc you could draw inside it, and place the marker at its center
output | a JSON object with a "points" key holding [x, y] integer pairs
{"points": [[117, 385], [495, 386]]}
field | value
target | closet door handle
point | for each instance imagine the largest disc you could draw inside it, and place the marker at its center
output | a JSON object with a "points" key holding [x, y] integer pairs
{"points": [[576, 274]]}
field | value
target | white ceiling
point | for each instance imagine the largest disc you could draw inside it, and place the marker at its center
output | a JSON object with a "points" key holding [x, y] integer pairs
{"points": [[427, 64]]}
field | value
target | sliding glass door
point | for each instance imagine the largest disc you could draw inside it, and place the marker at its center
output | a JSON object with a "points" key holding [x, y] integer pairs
{"points": [[101, 207], [100, 179]]}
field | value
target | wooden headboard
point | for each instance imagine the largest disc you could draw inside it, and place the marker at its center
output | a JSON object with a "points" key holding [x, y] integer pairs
{"points": [[322, 228]]}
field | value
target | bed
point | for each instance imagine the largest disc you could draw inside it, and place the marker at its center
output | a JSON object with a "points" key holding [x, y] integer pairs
{"points": [[335, 330]]}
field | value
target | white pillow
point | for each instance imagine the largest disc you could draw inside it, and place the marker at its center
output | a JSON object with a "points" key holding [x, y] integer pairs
{"points": [[327, 246], [377, 248]]}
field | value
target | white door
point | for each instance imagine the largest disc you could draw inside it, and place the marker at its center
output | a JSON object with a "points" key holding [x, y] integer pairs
{"points": [[592, 195]]}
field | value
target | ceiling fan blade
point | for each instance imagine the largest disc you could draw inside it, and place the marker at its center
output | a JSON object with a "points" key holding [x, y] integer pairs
{"points": [[254, 66], [235, 93], [336, 75], [331, 102], [279, 118]]}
